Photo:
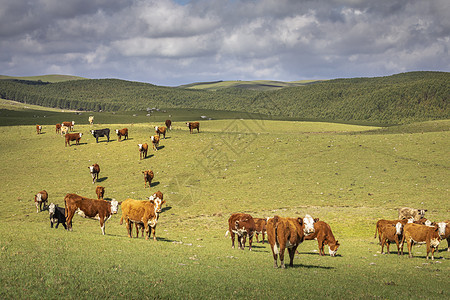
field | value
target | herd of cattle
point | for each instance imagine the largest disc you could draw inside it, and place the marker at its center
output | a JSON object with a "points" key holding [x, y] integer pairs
{"points": [[282, 233]]}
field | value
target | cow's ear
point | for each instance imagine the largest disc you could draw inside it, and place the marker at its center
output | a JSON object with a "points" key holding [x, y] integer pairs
{"points": [[337, 243], [164, 201], [152, 201], [316, 219], [300, 221]]}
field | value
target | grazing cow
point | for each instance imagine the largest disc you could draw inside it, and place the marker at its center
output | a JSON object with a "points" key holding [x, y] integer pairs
{"points": [[58, 128], [91, 120], [40, 199], [57, 215], [444, 232], [288, 233], [73, 137], [64, 130], [391, 233], [143, 148], [421, 234], [143, 212], [38, 129], [122, 133], [382, 222], [89, 208], [406, 213], [161, 130], [95, 171], [155, 142], [169, 124], [100, 133], [324, 236], [148, 177], [69, 124], [193, 125], [243, 225], [261, 228], [100, 191]]}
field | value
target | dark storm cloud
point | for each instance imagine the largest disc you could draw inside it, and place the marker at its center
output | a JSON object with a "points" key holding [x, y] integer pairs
{"points": [[175, 42]]}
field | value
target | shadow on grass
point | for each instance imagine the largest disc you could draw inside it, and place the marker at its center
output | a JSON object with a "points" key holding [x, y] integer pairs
{"points": [[161, 147], [154, 183], [166, 209], [296, 266], [102, 179]]}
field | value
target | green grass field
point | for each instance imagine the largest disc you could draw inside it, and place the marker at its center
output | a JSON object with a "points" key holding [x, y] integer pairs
{"points": [[347, 175]]}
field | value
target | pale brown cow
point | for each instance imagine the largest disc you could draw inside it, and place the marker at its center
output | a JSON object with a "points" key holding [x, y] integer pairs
{"points": [[155, 142], [243, 225], [58, 128], [406, 213], [382, 222], [193, 125], [101, 210], [148, 177], [161, 130], [139, 225], [288, 233], [100, 191], [421, 234], [73, 137], [69, 124], [143, 148], [169, 124], [122, 133], [261, 228], [64, 130], [142, 211], [38, 129], [324, 236], [40, 199]]}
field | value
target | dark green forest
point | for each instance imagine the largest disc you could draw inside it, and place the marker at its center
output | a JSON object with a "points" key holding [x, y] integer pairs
{"points": [[396, 99]]}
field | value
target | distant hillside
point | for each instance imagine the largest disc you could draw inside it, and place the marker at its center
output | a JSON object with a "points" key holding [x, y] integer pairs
{"points": [[259, 85], [45, 78], [401, 98]]}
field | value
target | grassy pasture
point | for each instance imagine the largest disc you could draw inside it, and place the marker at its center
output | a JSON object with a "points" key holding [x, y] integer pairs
{"points": [[347, 175]]}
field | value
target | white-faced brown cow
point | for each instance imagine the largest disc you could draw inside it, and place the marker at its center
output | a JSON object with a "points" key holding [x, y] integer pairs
{"points": [[40, 199], [94, 170], [122, 133], [100, 191], [143, 148], [287, 233], [407, 213], [324, 236], [382, 222], [169, 124], [148, 177], [38, 129], [73, 137], [390, 233], [139, 225], [161, 130], [444, 232], [69, 124], [155, 142], [58, 128], [143, 212], [261, 228], [421, 234], [193, 125], [101, 210], [243, 226]]}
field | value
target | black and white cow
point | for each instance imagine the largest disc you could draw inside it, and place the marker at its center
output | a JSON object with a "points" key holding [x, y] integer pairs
{"points": [[57, 215], [100, 133]]}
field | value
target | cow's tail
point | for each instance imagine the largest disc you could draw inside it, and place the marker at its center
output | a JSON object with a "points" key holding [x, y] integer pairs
{"points": [[65, 207], [376, 230], [121, 220], [276, 245], [226, 233]]}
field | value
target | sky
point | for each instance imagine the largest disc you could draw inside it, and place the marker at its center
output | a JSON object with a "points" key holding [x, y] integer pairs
{"points": [[170, 43]]}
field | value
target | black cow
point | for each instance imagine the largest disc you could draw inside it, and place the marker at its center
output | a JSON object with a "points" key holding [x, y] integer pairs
{"points": [[100, 133], [57, 215]]}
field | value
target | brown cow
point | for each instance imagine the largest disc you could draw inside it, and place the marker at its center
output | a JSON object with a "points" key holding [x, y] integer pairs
{"points": [[161, 130], [69, 124], [143, 148], [324, 236], [64, 130], [261, 228], [40, 199], [193, 125], [391, 233], [288, 233], [95, 172], [155, 142], [421, 234], [58, 128], [444, 232], [406, 213], [382, 222], [169, 124], [139, 225], [100, 191], [148, 177], [243, 225], [122, 132], [142, 211], [38, 129], [73, 137], [89, 208]]}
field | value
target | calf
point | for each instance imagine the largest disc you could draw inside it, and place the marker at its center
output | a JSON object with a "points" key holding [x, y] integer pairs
{"points": [[73, 137], [260, 225], [243, 225], [382, 222], [100, 191], [148, 177], [95, 171], [122, 133], [38, 129], [169, 124], [69, 124], [57, 215], [89, 208], [444, 232], [391, 233], [91, 120], [155, 142], [143, 148], [193, 125], [324, 236], [421, 234], [100, 133], [40, 199], [160, 130], [64, 130], [406, 213], [139, 225], [58, 128], [288, 233]]}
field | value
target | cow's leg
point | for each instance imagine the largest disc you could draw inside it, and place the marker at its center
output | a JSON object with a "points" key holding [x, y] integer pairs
{"points": [[51, 224], [409, 247], [154, 233], [257, 239], [136, 225], [64, 224], [398, 246], [448, 244], [250, 241], [387, 246], [383, 241], [147, 228], [263, 237], [102, 225], [292, 255], [37, 206], [69, 220], [232, 239], [128, 227], [243, 239]]}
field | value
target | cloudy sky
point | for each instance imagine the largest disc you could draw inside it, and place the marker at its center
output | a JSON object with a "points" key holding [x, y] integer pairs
{"points": [[173, 42]]}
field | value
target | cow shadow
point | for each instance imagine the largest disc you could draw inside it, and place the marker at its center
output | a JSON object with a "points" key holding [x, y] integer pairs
{"points": [[317, 254], [297, 266], [166, 138], [102, 179], [149, 156], [166, 209], [160, 147], [154, 183]]}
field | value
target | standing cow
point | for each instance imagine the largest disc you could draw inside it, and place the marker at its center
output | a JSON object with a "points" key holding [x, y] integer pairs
{"points": [[38, 129], [69, 124], [406, 213], [122, 133], [241, 225], [148, 177], [95, 171], [169, 124], [57, 215], [40, 199], [421, 234], [73, 137], [100, 191], [444, 232], [91, 120], [100, 133], [161, 130], [143, 148], [193, 125], [261, 228], [58, 128], [155, 142]]}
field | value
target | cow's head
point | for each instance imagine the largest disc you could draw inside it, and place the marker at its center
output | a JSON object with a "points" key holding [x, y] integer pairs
{"points": [[156, 128], [157, 203], [91, 169], [333, 248], [422, 212], [308, 224], [92, 132], [153, 138], [117, 131], [114, 206], [442, 226], [398, 228], [187, 124], [52, 208], [140, 146], [73, 123], [80, 134]]}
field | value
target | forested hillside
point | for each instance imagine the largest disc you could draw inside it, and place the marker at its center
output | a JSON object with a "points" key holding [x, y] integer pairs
{"points": [[401, 98]]}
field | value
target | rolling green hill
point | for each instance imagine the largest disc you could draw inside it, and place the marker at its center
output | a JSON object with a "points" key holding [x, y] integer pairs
{"points": [[45, 78], [258, 85], [401, 98]]}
